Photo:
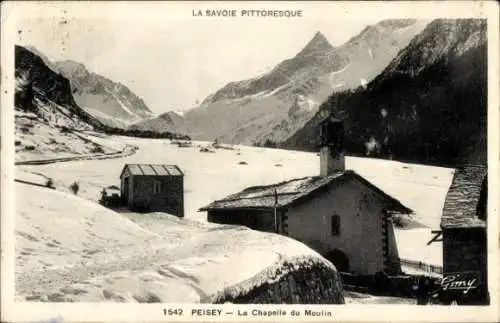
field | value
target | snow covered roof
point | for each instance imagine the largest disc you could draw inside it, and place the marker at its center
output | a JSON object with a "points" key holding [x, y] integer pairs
{"points": [[465, 196], [152, 170], [292, 192]]}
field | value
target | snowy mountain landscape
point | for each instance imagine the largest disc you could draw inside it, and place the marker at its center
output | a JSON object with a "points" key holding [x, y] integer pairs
{"points": [[441, 75], [74, 256], [116, 103], [278, 103], [95, 170], [72, 249], [111, 103]]}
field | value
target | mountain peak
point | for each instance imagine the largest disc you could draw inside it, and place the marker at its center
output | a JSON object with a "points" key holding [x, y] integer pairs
{"points": [[70, 68], [318, 43], [35, 51]]}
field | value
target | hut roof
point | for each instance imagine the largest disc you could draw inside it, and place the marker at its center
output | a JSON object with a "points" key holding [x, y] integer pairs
{"points": [[152, 170], [462, 204], [293, 192]]}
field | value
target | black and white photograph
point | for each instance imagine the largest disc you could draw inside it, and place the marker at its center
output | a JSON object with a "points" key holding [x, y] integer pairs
{"points": [[249, 153]]}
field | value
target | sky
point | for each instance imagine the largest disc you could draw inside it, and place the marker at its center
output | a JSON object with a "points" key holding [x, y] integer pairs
{"points": [[171, 58]]}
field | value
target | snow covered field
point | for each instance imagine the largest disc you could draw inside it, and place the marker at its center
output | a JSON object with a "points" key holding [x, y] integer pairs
{"points": [[38, 139], [65, 240], [210, 176], [71, 249]]}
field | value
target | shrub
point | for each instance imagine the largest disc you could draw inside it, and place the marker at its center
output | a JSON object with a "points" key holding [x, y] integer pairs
{"points": [[206, 150], [65, 129], [29, 147], [268, 143], [25, 129], [242, 163], [97, 150], [50, 183], [17, 142], [25, 94], [74, 188]]}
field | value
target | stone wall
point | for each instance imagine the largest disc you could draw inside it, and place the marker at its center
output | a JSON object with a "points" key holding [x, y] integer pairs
{"points": [[465, 250], [169, 200], [303, 283]]}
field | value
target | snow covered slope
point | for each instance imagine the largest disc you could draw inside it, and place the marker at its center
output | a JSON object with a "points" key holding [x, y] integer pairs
{"points": [[172, 121], [49, 136], [55, 229], [48, 121], [71, 249]]}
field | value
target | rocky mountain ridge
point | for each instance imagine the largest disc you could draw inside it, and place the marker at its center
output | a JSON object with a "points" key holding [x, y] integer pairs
{"points": [[39, 89], [428, 105], [111, 102], [275, 105], [45, 99]]}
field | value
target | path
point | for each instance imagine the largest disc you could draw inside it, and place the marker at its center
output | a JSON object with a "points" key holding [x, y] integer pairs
{"points": [[127, 151]]}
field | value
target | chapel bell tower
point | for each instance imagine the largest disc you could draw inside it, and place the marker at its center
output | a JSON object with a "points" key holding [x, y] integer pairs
{"points": [[332, 159]]}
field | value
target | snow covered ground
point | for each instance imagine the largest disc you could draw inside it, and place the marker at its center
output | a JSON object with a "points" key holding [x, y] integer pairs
{"points": [[65, 240], [214, 176], [45, 139], [360, 298], [71, 249]]}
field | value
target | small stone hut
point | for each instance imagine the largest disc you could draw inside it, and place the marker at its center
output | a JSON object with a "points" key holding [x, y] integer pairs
{"points": [[153, 188]]}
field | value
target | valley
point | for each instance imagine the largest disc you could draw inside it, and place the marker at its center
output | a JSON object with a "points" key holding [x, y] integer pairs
{"points": [[381, 122], [275, 105], [155, 236]]}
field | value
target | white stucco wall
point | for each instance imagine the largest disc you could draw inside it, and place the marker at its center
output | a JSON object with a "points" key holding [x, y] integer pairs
{"points": [[360, 211], [329, 165]]}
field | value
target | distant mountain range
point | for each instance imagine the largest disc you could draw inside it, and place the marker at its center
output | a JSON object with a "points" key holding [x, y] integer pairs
{"points": [[429, 104], [106, 100], [275, 105], [42, 91], [66, 95], [111, 102], [406, 89]]}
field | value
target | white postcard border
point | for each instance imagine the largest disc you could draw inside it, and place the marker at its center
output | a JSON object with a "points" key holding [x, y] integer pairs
{"points": [[111, 312]]}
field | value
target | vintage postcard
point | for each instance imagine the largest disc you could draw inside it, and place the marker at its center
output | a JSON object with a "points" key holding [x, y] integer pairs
{"points": [[249, 161]]}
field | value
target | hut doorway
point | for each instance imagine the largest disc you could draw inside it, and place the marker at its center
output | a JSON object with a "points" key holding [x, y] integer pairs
{"points": [[125, 189], [339, 259]]}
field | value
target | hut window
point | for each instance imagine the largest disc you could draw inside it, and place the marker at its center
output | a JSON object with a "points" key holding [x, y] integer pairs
{"points": [[157, 187], [335, 225]]}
